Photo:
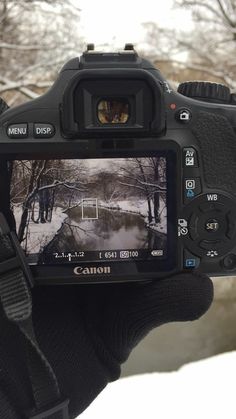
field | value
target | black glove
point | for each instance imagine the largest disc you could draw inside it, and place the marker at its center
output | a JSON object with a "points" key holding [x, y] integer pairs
{"points": [[87, 331]]}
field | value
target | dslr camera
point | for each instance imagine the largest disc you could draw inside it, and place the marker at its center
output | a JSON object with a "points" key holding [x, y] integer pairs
{"points": [[114, 176]]}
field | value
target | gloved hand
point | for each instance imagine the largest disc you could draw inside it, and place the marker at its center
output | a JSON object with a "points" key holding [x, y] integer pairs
{"points": [[88, 331]]}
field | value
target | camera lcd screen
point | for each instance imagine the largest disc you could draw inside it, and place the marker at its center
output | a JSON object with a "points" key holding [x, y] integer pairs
{"points": [[70, 210]]}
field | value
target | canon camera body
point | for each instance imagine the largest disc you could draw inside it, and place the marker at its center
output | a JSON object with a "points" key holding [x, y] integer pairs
{"points": [[114, 176]]}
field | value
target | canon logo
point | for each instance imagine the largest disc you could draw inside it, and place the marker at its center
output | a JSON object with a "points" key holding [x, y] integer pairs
{"points": [[92, 270]]}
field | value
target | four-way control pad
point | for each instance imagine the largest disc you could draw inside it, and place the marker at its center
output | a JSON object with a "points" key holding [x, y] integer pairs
{"points": [[211, 225]]}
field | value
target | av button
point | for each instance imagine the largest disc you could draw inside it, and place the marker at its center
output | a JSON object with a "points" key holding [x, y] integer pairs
{"points": [[44, 130], [190, 158], [17, 131]]}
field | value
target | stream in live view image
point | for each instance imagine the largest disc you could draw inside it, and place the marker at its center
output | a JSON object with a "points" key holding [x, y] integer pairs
{"points": [[89, 205]]}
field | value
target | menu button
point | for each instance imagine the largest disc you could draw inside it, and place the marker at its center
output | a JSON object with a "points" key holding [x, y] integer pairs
{"points": [[17, 131]]}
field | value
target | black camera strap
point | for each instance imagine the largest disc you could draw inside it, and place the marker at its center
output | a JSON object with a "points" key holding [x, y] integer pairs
{"points": [[15, 294]]}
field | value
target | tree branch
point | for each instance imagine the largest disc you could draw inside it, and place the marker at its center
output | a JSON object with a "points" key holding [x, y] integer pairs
{"points": [[18, 85], [227, 18], [4, 45]]}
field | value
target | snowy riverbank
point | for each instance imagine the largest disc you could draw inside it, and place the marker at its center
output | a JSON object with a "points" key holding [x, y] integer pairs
{"points": [[39, 235]]}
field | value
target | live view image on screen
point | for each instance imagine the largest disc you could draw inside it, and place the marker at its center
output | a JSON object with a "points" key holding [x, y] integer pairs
{"points": [[90, 209]]}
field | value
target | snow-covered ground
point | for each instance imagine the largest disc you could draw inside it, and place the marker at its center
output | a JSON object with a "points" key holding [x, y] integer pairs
{"points": [[200, 390], [41, 234]]}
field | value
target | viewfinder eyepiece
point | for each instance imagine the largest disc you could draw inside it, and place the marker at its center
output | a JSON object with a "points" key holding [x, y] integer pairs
{"points": [[113, 111]]}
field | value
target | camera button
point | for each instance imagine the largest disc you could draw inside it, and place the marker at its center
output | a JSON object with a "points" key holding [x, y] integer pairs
{"points": [[43, 130], [183, 116], [17, 131], [190, 158], [190, 261], [212, 225], [192, 188], [229, 262]]}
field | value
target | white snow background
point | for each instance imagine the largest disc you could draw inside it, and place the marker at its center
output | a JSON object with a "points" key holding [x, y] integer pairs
{"points": [[201, 390]]}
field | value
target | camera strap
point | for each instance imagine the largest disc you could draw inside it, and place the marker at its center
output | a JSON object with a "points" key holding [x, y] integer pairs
{"points": [[15, 293]]}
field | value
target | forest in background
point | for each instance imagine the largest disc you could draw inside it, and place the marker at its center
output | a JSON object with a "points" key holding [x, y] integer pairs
{"points": [[37, 37]]}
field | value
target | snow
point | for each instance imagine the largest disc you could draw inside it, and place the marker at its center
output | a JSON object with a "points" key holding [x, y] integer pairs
{"points": [[200, 390], [139, 207], [41, 234]]}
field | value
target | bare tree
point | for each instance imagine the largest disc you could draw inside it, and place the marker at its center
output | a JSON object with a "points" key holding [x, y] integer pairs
{"points": [[147, 177], [38, 185], [36, 38], [212, 44], [207, 51]]}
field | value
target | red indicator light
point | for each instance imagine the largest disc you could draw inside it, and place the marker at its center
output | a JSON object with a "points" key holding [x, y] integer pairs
{"points": [[173, 106]]}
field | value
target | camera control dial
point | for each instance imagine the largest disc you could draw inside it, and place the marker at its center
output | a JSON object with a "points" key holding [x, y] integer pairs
{"points": [[211, 225], [206, 91]]}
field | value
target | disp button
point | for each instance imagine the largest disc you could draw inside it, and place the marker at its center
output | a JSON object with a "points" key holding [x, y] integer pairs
{"points": [[43, 130]]}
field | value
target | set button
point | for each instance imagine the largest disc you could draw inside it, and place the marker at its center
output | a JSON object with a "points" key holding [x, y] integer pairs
{"points": [[212, 225]]}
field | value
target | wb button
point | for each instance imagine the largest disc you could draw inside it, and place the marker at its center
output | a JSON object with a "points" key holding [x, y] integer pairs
{"points": [[44, 130]]}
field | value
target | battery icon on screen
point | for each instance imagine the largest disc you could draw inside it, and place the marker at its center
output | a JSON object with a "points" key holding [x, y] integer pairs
{"points": [[157, 252]]}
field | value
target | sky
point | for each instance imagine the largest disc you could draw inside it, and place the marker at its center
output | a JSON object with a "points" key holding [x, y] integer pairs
{"points": [[119, 22]]}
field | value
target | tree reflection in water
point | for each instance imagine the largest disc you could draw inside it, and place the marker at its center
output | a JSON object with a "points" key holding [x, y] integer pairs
{"points": [[112, 230]]}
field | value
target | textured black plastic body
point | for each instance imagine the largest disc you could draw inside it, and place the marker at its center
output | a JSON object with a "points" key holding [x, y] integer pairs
{"points": [[217, 143]]}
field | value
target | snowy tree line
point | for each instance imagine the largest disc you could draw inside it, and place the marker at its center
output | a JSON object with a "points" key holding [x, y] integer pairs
{"points": [[37, 37], [209, 47]]}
